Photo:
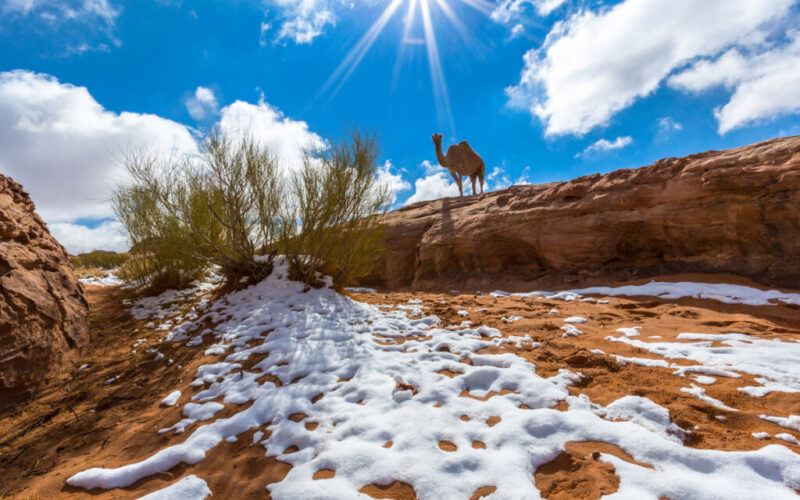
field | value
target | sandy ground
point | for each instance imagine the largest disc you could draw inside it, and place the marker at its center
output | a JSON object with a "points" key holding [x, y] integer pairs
{"points": [[78, 420]]}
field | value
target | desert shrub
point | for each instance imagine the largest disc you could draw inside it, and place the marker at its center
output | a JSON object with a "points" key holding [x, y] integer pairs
{"points": [[99, 259], [231, 204], [337, 203], [186, 214]]}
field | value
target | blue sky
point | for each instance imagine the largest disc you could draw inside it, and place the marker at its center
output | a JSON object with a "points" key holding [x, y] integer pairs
{"points": [[543, 89]]}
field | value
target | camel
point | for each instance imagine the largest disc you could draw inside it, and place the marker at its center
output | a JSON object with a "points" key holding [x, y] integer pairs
{"points": [[460, 160]]}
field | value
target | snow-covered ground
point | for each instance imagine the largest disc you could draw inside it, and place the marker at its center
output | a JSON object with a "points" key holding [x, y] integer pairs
{"points": [[109, 279], [730, 294], [370, 375]]}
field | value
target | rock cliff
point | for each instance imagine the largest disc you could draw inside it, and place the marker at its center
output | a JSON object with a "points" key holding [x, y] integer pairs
{"points": [[733, 211], [43, 310]]}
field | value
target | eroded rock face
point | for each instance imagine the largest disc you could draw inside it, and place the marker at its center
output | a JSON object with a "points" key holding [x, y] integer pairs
{"points": [[43, 310], [734, 211]]}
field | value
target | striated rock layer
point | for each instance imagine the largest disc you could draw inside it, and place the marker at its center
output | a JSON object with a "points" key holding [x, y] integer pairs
{"points": [[43, 310], [734, 211]]}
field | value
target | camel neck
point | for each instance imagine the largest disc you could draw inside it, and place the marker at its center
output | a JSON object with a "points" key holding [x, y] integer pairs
{"points": [[439, 156]]}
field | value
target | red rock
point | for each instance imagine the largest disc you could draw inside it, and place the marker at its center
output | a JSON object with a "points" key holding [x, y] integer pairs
{"points": [[43, 309], [733, 211]]}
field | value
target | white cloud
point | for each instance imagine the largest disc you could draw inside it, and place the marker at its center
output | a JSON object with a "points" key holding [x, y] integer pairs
{"points": [[77, 238], [395, 182], [286, 138], [666, 124], [595, 64], [765, 82], [436, 184], [73, 26], [202, 104], [604, 145], [63, 147], [497, 179], [511, 10], [63, 10], [304, 20]]}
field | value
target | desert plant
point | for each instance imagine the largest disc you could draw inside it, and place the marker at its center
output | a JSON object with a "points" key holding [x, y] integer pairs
{"points": [[186, 214], [230, 204], [337, 204], [101, 259]]}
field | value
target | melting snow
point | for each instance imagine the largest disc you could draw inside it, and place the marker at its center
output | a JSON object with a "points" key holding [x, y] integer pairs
{"points": [[730, 294], [188, 488], [171, 399], [776, 364], [322, 347], [110, 279]]}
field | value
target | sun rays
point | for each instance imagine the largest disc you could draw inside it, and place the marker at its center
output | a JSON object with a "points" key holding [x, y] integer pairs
{"points": [[416, 9]]}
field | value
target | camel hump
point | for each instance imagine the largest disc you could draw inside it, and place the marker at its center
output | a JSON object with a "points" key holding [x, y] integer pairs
{"points": [[465, 145]]}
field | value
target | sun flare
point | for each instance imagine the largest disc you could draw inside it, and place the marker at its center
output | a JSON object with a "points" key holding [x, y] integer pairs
{"points": [[416, 9]]}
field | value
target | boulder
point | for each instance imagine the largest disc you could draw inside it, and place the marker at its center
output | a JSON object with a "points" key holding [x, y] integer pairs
{"points": [[43, 309], [733, 211]]}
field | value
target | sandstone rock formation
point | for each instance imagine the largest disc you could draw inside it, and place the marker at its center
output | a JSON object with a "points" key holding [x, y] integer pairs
{"points": [[733, 211], [43, 310]]}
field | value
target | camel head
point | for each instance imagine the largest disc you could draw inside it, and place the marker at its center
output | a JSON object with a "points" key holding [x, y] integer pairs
{"points": [[437, 139]]}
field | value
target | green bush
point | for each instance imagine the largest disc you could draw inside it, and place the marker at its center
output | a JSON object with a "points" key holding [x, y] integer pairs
{"points": [[232, 203], [100, 258], [337, 202]]}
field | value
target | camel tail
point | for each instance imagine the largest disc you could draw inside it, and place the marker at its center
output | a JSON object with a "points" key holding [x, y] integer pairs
{"points": [[482, 173]]}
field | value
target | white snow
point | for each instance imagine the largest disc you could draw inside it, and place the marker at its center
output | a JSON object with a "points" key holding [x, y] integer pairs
{"points": [[700, 394], [702, 379], [730, 294], [109, 279], [788, 438], [775, 364], [171, 398], [646, 413], [761, 435], [463, 313], [578, 320], [630, 332], [790, 422], [189, 488], [510, 319], [623, 360], [570, 331], [329, 343]]}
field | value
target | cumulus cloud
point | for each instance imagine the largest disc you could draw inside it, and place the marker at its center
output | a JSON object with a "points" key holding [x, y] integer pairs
{"points": [[394, 182], [437, 183], [287, 139], [77, 238], [202, 104], [596, 63], [63, 146], [765, 82], [65, 149], [604, 145]]}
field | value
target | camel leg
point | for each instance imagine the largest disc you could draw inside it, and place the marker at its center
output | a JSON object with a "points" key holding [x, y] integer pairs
{"points": [[457, 178], [472, 178]]}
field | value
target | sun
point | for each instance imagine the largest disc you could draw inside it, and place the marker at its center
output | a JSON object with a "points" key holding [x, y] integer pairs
{"points": [[414, 9]]}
